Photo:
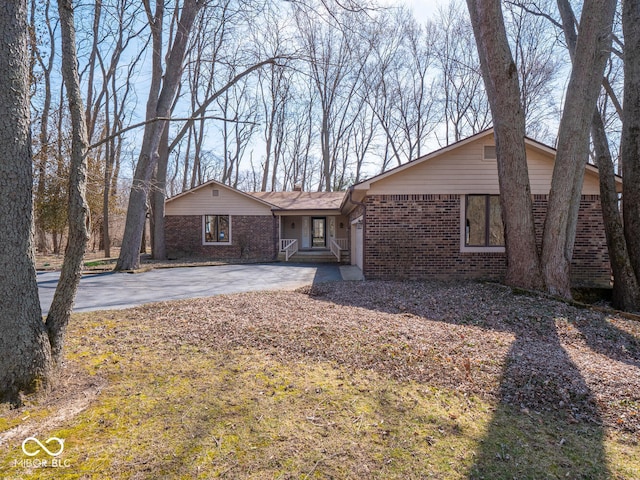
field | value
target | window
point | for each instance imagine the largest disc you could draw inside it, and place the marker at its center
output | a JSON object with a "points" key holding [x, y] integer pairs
{"points": [[217, 229], [483, 221]]}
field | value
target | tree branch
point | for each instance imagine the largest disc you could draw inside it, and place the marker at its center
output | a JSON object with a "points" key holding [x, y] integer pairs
{"points": [[537, 12], [203, 108], [160, 119]]}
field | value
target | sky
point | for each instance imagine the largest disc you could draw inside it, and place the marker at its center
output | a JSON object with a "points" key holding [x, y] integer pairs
{"points": [[423, 9]]}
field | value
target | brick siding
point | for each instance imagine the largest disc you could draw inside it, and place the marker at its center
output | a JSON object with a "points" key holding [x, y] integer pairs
{"points": [[418, 237], [252, 237]]}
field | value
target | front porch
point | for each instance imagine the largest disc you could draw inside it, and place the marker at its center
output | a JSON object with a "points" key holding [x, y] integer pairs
{"points": [[313, 238]]}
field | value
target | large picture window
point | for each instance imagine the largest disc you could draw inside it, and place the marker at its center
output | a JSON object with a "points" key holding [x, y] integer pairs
{"points": [[483, 221], [217, 229]]}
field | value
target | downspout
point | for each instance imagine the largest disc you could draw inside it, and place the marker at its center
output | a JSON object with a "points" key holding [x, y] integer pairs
{"points": [[364, 228]]}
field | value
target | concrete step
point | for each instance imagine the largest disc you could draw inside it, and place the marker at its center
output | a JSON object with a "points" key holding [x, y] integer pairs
{"points": [[315, 256]]}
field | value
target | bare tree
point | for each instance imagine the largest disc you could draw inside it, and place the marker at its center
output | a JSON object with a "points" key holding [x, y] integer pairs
{"points": [[382, 84], [27, 364], [238, 107], [399, 85], [46, 65], [501, 83], [626, 293], [25, 352], [109, 92], [589, 58], [535, 50], [337, 56], [630, 141], [274, 91], [115, 114], [298, 167], [60, 309], [593, 44], [162, 93], [464, 106]]}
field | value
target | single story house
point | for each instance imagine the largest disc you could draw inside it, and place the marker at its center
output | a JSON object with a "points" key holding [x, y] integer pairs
{"points": [[217, 221], [435, 217]]}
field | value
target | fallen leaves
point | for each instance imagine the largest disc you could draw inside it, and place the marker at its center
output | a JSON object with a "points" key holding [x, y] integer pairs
{"points": [[480, 339]]}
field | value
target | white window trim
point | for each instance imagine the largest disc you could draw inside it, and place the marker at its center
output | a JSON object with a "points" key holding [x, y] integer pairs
{"points": [[204, 242], [463, 233]]}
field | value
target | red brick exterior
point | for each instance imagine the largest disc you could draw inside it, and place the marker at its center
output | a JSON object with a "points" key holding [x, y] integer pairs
{"points": [[252, 237], [418, 237]]}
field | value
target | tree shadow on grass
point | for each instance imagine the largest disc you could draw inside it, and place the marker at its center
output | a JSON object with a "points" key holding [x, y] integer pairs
{"points": [[547, 423]]}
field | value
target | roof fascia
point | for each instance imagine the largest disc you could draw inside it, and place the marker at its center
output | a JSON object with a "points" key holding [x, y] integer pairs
{"points": [[319, 211]]}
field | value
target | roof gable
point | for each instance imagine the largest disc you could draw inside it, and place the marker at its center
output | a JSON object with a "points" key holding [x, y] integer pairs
{"points": [[461, 168], [214, 197]]}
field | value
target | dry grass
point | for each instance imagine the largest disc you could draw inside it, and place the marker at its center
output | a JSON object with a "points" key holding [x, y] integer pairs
{"points": [[95, 261], [346, 380]]}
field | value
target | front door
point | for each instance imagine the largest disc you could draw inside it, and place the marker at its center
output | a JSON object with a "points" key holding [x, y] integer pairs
{"points": [[319, 232]]}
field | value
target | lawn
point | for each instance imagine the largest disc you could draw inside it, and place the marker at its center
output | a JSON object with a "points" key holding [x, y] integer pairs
{"points": [[375, 380]]}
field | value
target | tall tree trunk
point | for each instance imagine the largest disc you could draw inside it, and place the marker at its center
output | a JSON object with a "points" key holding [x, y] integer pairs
{"points": [[60, 310], [134, 229], [108, 167], [591, 53], [501, 82], [42, 161], [267, 160], [326, 157], [158, 245], [43, 156], [148, 159], [630, 141], [626, 294], [90, 120], [25, 352]]}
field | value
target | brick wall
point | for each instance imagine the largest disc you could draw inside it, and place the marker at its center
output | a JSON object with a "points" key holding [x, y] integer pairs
{"points": [[590, 264], [253, 237], [418, 237]]}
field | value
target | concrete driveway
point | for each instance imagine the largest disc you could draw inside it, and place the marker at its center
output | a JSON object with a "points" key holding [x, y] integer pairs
{"points": [[105, 291]]}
